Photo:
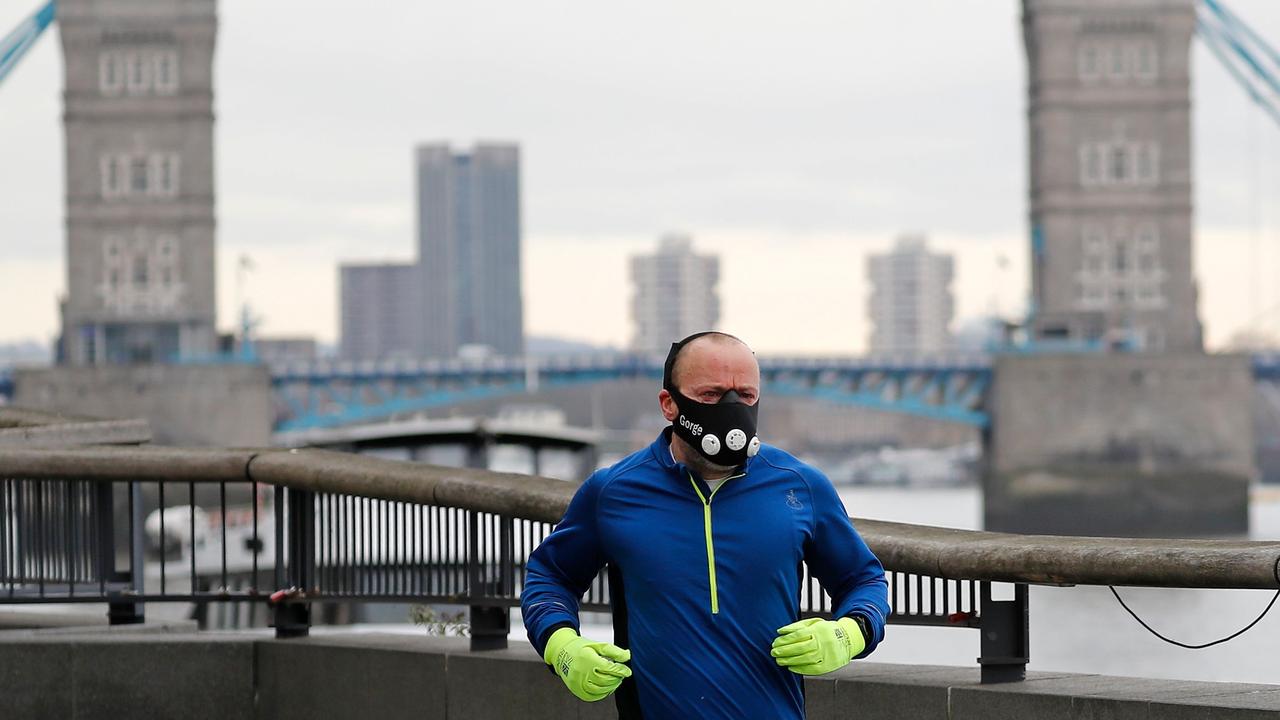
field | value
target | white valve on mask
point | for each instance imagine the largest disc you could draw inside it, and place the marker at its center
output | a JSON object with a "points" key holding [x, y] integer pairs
{"points": [[710, 444], [735, 440]]}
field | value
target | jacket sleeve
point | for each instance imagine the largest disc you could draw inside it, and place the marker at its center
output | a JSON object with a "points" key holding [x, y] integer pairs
{"points": [[562, 567], [840, 560]]}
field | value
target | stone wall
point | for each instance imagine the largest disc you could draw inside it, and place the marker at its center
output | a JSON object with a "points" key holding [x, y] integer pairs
{"points": [[140, 675], [1120, 444], [205, 405]]}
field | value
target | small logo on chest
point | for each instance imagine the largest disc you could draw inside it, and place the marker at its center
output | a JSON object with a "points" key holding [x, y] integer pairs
{"points": [[793, 502]]}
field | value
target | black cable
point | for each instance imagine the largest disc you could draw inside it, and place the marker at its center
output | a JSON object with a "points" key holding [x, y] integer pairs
{"points": [[1232, 636]]}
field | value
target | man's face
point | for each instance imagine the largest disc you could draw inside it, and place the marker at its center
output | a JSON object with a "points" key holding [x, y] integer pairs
{"points": [[708, 369]]}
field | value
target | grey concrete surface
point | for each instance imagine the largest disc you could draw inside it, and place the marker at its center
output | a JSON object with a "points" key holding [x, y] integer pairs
{"points": [[310, 678], [342, 675], [118, 675], [1120, 444], [202, 405]]}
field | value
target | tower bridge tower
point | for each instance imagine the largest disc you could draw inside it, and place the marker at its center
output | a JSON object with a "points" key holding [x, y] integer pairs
{"points": [[138, 99], [1109, 114]]}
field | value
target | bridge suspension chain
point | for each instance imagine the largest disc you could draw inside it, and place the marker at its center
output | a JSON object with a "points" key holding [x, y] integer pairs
{"points": [[19, 41]]}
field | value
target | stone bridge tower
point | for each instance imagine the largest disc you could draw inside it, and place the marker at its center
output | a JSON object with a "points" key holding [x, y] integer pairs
{"points": [[139, 180], [1109, 114]]}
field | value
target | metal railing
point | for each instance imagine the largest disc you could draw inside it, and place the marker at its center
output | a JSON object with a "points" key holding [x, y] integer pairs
{"points": [[319, 528]]}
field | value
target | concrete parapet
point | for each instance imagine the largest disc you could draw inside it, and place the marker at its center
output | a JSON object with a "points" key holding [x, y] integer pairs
{"points": [[244, 675], [120, 675], [341, 678], [1120, 444], [226, 405]]}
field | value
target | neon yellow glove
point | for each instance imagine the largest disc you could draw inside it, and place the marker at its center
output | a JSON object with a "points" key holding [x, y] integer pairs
{"points": [[816, 646], [591, 670]]}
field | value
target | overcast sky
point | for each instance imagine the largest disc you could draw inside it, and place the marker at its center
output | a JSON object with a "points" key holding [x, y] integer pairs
{"points": [[790, 138]]}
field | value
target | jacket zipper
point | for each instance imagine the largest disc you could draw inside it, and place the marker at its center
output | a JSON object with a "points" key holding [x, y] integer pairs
{"points": [[706, 529]]}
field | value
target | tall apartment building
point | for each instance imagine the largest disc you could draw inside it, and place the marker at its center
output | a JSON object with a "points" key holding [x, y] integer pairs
{"points": [[911, 306], [675, 294], [138, 94], [469, 248], [381, 311], [1109, 115]]}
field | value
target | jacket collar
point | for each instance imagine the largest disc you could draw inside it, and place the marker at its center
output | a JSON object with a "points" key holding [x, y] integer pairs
{"points": [[661, 450]]}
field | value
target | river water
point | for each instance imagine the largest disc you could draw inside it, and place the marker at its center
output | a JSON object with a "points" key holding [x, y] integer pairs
{"points": [[1084, 629]]}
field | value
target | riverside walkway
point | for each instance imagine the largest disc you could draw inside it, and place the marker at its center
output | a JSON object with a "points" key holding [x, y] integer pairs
{"points": [[326, 530]]}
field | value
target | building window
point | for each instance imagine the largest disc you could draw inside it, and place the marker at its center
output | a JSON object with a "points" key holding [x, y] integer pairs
{"points": [[155, 174], [165, 72], [1119, 167], [1119, 256], [138, 72], [1092, 285], [138, 168], [164, 174], [140, 269], [110, 74], [1088, 61], [1119, 163], [110, 169], [1117, 69], [1094, 250], [1144, 60], [140, 274], [1120, 60], [1147, 240]]}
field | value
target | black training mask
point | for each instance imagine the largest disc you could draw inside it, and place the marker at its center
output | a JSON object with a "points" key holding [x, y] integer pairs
{"points": [[723, 432]]}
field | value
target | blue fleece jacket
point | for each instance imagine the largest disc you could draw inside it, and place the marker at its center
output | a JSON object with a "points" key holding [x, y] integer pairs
{"points": [[701, 581]]}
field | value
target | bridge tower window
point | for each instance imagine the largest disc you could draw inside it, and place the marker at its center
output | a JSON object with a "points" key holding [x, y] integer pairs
{"points": [[1119, 163], [1088, 61], [138, 80], [1144, 62], [140, 269], [110, 73], [1118, 68], [154, 174], [111, 171], [165, 72], [138, 175], [143, 71]]}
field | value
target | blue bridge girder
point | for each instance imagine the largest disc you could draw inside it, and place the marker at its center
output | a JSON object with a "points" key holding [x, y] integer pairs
{"points": [[1266, 367], [335, 394]]}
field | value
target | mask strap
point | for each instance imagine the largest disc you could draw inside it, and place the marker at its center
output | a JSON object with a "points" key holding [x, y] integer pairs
{"points": [[667, 384]]}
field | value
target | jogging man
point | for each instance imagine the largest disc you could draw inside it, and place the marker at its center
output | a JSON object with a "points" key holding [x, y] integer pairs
{"points": [[704, 533]]}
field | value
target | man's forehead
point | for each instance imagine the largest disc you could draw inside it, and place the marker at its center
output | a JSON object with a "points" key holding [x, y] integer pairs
{"points": [[708, 355]]}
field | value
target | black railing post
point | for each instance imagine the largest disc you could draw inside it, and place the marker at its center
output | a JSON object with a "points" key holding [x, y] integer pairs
{"points": [[119, 612], [292, 610], [490, 624], [1005, 627]]}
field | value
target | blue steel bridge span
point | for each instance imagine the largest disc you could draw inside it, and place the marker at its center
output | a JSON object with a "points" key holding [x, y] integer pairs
{"points": [[951, 388], [331, 394]]}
